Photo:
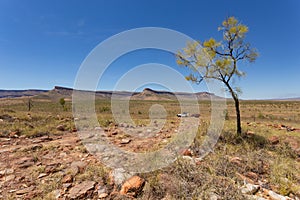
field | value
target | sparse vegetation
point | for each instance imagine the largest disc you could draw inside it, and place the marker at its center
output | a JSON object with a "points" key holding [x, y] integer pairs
{"points": [[62, 102], [219, 173]]}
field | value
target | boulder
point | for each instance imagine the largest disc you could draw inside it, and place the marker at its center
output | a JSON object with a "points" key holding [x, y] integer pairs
{"points": [[133, 185]]}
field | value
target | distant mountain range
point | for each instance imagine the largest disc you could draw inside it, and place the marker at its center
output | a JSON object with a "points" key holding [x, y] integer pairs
{"points": [[146, 94], [19, 93], [287, 99]]}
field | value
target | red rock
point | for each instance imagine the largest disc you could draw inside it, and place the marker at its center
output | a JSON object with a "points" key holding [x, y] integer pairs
{"points": [[67, 179], [14, 134], [187, 152], [79, 164], [252, 175], [235, 160], [102, 195], [81, 190], [9, 178], [273, 140], [44, 138], [250, 133], [25, 190], [25, 162], [114, 132], [52, 167], [134, 184], [6, 172], [244, 178], [74, 130]]}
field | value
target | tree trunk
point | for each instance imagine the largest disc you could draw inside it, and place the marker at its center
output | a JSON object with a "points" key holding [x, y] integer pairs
{"points": [[238, 116], [237, 109]]}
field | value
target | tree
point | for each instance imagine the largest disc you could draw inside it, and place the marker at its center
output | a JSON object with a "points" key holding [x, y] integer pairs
{"points": [[29, 104], [62, 102], [219, 60]]}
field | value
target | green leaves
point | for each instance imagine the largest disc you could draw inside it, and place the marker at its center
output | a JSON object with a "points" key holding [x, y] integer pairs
{"points": [[223, 63], [230, 21], [211, 43], [233, 29], [218, 60]]}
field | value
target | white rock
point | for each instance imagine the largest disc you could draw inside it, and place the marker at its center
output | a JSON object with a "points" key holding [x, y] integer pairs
{"points": [[253, 197], [125, 141], [6, 171], [97, 128], [56, 194], [275, 196], [119, 175], [9, 178], [249, 188], [42, 175], [214, 196]]}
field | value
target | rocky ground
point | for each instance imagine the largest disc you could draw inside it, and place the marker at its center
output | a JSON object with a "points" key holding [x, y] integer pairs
{"points": [[58, 166]]}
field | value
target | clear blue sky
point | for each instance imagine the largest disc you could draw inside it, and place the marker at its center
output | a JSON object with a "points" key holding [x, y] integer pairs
{"points": [[43, 43]]}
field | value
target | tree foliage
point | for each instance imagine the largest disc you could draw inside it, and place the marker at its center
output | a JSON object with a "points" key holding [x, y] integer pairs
{"points": [[218, 60], [62, 102]]}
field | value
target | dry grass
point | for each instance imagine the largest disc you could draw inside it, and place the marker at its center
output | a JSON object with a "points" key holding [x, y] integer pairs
{"points": [[275, 165]]}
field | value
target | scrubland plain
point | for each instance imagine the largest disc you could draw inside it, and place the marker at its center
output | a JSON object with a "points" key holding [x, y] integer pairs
{"points": [[43, 158]]}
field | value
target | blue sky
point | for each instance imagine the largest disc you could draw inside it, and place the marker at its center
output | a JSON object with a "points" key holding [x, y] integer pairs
{"points": [[43, 43]]}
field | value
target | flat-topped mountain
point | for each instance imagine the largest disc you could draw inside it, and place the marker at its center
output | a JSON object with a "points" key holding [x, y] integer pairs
{"points": [[147, 94], [20, 93]]}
